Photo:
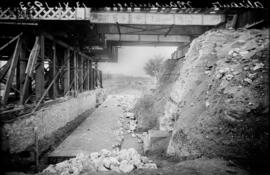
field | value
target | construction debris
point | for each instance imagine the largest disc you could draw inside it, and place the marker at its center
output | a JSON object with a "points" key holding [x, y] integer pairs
{"points": [[124, 161]]}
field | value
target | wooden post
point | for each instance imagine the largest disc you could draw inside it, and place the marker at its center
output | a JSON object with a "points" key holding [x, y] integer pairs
{"points": [[54, 70], [95, 78], [18, 82], [29, 70], [87, 73], [11, 71], [67, 72], [81, 73], [96, 74], [75, 74], [22, 67], [40, 71], [100, 79], [91, 75]]}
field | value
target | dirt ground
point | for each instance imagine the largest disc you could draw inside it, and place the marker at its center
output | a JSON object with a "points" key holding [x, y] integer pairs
{"points": [[128, 85]]}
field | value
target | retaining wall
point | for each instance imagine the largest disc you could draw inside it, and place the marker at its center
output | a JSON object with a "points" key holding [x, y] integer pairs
{"points": [[18, 135]]}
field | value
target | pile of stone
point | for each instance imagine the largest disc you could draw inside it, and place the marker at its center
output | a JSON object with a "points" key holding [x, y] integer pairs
{"points": [[127, 102], [128, 122], [124, 161]]}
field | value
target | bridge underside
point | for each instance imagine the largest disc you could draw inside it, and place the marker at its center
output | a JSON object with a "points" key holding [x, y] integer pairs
{"points": [[86, 28]]}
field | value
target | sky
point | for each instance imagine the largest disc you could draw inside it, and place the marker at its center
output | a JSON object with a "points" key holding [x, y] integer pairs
{"points": [[131, 59]]}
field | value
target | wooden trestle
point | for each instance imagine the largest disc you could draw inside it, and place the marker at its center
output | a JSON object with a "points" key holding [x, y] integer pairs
{"points": [[48, 69]]}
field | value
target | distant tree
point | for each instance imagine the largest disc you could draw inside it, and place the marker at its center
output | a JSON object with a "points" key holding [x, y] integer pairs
{"points": [[153, 66]]}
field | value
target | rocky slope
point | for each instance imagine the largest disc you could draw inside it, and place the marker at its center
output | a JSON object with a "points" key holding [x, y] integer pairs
{"points": [[218, 104]]}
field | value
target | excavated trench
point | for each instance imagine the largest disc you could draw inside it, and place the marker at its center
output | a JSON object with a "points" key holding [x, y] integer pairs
{"points": [[208, 114]]}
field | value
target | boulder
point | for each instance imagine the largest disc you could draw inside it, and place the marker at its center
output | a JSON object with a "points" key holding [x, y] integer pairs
{"points": [[130, 115], [94, 155], [150, 166], [126, 167]]}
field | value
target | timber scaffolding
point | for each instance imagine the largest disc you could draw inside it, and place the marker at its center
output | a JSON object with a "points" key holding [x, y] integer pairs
{"points": [[39, 69]]}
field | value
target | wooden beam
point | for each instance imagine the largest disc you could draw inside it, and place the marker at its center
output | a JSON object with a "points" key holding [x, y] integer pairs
{"points": [[234, 21], [22, 67], [75, 73], [4, 69], [11, 70], [67, 72], [54, 70], [81, 73], [83, 80], [91, 74], [40, 71], [94, 78], [63, 44], [96, 74], [100, 79], [11, 41], [18, 83], [87, 73], [29, 70]]}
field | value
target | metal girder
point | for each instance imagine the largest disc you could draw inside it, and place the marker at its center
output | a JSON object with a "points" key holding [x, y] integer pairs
{"points": [[144, 43], [155, 19], [153, 38], [151, 29]]}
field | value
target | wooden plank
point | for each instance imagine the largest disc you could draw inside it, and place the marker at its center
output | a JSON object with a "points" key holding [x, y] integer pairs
{"points": [[83, 79], [11, 41], [22, 69], [67, 72], [33, 57], [96, 74], [75, 73], [91, 75], [4, 69], [100, 79], [234, 21], [18, 76], [11, 71], [39, 78], [87, 73], [54, 70], [29, 70], [95, 78], [80, 73]]}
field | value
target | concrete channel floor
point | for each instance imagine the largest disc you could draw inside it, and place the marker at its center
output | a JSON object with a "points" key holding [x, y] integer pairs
{"points": [[97, 132]]}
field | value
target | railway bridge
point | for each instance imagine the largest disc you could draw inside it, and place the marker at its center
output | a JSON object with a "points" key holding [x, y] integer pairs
{"points": [[56, 51], [49, 59]]}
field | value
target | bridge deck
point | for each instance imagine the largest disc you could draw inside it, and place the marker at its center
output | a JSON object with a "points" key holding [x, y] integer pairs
{"points": [[112, 17]]}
